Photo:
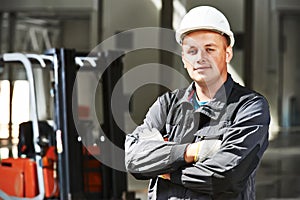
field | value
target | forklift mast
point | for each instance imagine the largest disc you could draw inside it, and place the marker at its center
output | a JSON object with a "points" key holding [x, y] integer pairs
{"points": [[71, 170]]}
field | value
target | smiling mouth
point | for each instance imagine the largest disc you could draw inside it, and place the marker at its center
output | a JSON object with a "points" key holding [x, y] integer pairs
{"points": [[201, 68]]}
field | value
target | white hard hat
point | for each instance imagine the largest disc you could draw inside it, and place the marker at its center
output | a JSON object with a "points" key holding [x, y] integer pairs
{"points": [[204, 18]]}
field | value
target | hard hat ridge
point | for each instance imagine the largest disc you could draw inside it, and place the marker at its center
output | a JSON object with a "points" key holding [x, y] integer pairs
{"points": [[204, 18]]}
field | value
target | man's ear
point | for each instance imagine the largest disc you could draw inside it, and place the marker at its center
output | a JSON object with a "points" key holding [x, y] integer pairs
{"points": [[229, 54]]}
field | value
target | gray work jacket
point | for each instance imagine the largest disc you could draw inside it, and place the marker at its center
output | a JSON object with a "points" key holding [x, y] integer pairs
{"points": [[237, 116]]}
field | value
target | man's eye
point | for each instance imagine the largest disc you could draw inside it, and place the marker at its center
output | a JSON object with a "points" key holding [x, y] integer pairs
{"points": [[210, 50], [192, 51]]}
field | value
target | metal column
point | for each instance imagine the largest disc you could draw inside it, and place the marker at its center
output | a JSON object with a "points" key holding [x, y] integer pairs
{"points": [[70, 158], [248, 43], [166, 21], [116, 181]]}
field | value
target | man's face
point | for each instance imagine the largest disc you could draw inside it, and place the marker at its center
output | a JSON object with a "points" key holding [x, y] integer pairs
{"points": [[205, 55]]}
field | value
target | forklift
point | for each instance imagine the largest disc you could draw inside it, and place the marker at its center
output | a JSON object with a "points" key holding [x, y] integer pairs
{"points": [[56, 161]]}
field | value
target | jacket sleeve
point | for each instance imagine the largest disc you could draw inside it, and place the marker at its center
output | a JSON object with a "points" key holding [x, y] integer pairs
{"points": [[243, 145], [147, 158]]}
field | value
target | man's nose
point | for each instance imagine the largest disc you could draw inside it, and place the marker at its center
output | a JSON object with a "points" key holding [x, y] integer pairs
{"points": [[200, 57]]}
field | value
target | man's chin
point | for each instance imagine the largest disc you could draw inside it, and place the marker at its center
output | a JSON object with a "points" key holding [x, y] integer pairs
{"points": [[201, 81]]}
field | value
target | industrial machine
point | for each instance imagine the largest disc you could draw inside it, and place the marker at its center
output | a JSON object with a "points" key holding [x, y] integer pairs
{"points": [[55, 162]]}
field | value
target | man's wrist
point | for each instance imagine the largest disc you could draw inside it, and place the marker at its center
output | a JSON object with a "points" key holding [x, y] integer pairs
{"points": [[191, 152], [196, 155]]}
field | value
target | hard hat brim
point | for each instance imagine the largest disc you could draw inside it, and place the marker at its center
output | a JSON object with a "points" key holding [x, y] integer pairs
{"points": [[179, 35]]}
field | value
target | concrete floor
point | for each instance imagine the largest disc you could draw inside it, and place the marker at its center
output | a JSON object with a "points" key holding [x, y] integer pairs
{"points": [[279, 174]]}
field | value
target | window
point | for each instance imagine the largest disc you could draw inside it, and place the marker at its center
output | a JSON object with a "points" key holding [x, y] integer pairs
{"points": [[4, 108], [20, 111]]}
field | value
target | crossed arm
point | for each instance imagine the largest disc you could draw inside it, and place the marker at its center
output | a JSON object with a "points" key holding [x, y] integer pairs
{"points": [[242, 147]]}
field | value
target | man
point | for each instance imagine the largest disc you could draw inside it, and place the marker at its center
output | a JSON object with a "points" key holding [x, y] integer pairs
{"points": [[205, 141]]}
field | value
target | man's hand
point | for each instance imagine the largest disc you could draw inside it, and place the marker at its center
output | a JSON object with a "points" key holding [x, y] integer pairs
{"points": [[165, 176], [191, 152]]}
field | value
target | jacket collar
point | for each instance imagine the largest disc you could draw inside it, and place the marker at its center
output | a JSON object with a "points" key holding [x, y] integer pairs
{"points": [[214, 107]]}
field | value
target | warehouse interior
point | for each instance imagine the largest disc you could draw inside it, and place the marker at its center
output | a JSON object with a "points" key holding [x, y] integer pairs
{"points": [[77, 76]]}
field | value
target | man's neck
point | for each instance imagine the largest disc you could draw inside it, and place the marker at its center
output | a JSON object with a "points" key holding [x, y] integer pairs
{"points": [[206, 92]]}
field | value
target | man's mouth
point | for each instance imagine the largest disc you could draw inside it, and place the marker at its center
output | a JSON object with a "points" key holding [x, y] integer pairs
{"points": [[201, 67]]}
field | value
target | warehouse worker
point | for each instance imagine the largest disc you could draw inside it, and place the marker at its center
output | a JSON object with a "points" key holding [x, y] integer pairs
{"points": [[205, 141]]}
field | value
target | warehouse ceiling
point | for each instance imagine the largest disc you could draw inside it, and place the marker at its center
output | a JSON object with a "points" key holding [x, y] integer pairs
{"points": [[34, 25]]}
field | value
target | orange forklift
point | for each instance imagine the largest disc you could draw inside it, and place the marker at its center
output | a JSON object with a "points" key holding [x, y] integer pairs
{"points": [[54, 161], [35, 175]]}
